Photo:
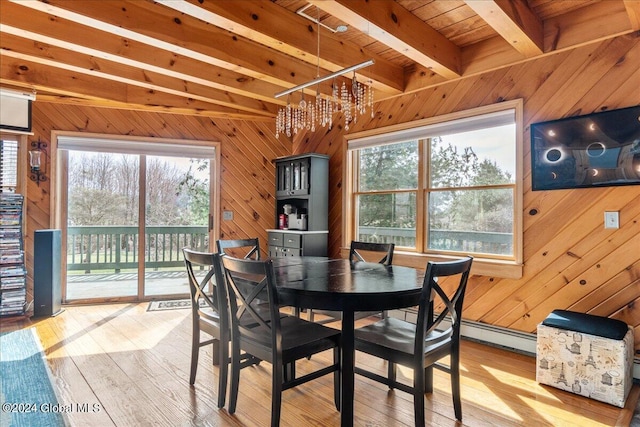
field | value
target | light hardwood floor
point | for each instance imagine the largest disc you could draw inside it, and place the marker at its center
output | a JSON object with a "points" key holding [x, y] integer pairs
{"points": [[133, 365]]}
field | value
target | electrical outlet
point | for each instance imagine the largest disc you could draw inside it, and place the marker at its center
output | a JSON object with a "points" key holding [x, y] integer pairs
{"points": [[611, 220], [227, 215]]}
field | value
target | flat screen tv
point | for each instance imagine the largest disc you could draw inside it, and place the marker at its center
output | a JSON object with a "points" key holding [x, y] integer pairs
{"points": [[595, 150]]}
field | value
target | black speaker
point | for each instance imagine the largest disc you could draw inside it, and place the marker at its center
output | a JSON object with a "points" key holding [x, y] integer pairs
{"points": [[47, 286]]}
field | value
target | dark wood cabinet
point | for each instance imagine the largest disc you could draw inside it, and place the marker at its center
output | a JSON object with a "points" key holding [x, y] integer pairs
{"points": [[302, 184]]}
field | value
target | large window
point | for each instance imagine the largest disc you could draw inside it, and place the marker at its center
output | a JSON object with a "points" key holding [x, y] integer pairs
{"points": [[448, 185]]}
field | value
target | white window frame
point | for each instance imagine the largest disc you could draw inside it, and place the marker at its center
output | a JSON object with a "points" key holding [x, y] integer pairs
{"points": [[510, 267]]}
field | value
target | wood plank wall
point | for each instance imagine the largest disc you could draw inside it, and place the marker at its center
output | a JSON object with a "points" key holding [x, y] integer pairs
{"points": [[570, 260]]}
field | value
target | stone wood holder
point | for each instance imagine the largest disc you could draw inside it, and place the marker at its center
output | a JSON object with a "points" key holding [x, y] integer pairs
{"points": [[587, 355]]}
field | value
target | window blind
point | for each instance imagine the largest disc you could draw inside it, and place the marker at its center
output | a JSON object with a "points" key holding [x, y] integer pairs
{"points": [[134, 146], [8, 165], [466, 124]]}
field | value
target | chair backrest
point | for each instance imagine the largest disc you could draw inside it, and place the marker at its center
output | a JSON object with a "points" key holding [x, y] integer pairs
{"points": [[254, 319], [434, 298], [360, 251], [215, 308], [240, 248]]}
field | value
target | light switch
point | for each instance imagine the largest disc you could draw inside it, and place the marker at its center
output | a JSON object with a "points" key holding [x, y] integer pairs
{"points": [[611, 220], [227, 215]]}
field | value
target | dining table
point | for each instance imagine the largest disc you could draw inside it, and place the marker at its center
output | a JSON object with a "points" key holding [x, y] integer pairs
{"points": [[348, 287]]}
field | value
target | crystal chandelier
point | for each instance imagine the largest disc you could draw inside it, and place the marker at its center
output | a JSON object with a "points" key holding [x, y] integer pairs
{"points": [[313, 112], [318, 111]]}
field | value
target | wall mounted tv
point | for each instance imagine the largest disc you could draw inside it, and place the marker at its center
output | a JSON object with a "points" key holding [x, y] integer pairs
{"points": [[595, 150]]}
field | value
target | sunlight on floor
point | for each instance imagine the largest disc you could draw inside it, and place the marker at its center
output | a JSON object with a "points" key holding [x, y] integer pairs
{"points": [[517, 381], [473, 389], [106, 336]]}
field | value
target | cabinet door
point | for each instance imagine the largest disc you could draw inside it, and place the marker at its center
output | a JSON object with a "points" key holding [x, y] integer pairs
{"points": [[292, 177]]}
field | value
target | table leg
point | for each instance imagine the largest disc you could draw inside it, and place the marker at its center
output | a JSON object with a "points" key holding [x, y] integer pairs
{"points": [[347, 366]]}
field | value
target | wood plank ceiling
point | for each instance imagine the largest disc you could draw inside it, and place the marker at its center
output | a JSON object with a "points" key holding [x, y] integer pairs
{"points": [[227, 58]]}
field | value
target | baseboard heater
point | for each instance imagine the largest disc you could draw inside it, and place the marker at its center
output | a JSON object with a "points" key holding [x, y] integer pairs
{"points": [[495, 335]]}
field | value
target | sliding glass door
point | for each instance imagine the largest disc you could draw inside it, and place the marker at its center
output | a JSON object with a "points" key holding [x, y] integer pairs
{"points": [[129, 210], [176, 216], [102, 225]]}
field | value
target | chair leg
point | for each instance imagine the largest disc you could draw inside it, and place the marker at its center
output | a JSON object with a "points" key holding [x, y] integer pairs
{"points": [[455, 384], [337, 383], [428, 379], [391, 374], [235, 375], [277, 377], [223, 368], [195, 351], [418, 396], [290, 371], [216, 351], [310, 318]]}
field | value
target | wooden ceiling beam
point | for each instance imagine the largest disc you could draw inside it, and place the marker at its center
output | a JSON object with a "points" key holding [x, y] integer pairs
{"points": [[271, 25], [258, 48], [106, 93], [56, 31], [586, 25], [574, 29], [396, 27], [67, 60], [211, 111], [514, 22], [57, 96], [164, 28], [633, 10], [577, 28]]}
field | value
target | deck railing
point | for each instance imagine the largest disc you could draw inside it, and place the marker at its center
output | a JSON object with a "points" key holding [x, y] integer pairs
{"points": [[448, 240], [116, 247]]}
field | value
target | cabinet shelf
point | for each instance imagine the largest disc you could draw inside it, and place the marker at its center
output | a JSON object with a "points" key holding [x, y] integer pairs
{"points": [[292, 177]]}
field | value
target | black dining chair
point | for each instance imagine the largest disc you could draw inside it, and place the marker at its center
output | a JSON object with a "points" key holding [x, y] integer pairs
{"points": [[240, 248], [421, 345], [210, 314], [245, 249], [359, 252], [270, 336], [370, 252]]}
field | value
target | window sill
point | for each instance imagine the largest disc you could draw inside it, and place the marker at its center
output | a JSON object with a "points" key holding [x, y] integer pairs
{"points": [[480, 267]]}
